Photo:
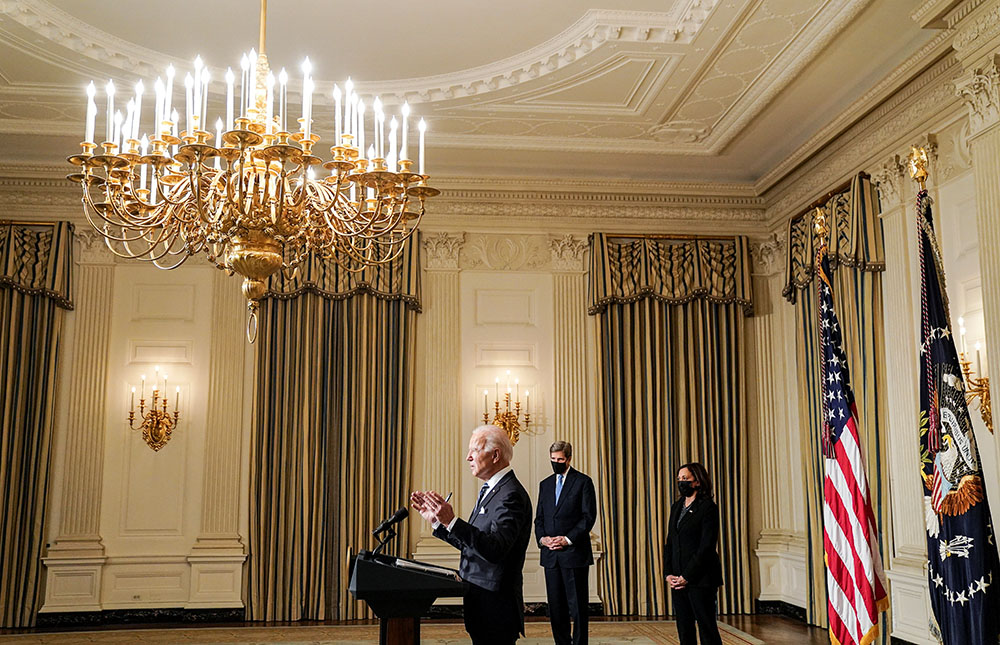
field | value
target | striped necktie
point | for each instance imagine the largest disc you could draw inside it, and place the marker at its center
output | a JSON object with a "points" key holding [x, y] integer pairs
{"points": [[482, 494]]}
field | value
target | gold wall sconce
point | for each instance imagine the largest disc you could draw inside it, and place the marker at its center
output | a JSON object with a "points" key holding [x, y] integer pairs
{"points": [[157, 423]]}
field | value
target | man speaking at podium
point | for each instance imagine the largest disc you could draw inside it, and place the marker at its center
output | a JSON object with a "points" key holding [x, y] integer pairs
{"points": [[492, 541]]}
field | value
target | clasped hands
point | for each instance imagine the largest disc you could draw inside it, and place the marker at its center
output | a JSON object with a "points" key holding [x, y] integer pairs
{"points": [[557, 543], [432, 507], [677, 582]]}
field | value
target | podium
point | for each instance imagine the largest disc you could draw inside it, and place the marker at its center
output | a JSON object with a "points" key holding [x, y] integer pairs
{"points": [[400, 591]]}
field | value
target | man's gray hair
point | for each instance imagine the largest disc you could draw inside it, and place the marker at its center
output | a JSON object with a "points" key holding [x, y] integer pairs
{"points": [[565, 447], [495, 438]]}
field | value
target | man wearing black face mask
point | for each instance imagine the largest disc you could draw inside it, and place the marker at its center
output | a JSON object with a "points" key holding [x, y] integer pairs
{"points": [[567, 509]]}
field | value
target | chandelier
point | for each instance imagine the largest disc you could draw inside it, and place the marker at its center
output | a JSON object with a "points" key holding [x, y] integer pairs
{"points": [[251, 195], [158, 423]]}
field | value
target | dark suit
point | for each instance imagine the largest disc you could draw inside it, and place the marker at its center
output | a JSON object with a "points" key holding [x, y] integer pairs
{"points": [[566, 569], [493, 543], [692, 539]]}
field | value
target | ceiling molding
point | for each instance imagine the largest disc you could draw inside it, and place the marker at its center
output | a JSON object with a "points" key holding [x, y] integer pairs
{"points": [[807, 44], [595, 28]]}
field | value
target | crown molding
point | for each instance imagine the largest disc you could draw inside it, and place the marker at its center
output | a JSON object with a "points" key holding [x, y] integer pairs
{"points": [[595, 28]]}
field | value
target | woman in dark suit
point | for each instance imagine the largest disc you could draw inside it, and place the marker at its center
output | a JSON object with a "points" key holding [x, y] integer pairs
{"points": [[691, 561]]}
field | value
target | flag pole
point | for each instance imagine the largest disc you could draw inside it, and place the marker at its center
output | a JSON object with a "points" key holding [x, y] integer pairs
{"points": [[821, 230]]}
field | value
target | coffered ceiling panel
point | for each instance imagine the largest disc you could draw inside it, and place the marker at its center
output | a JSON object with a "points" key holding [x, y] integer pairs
{"points": [[567, 88]]}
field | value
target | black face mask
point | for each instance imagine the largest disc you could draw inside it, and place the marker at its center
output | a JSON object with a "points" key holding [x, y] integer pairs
{"points": [[686, 488], [559, 467]]}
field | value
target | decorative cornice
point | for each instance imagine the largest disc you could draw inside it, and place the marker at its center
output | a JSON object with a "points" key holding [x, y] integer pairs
{"points": [[441, 250], [498, 252], [768, 254], [979, 32], [568, 253], [889, 179], [980, 91], [595, 28], [91, 248]]}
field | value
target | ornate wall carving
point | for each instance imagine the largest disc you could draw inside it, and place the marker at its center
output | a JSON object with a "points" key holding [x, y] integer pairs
{"points": [[506, 252], [441, 250], [568, 253], [979, 89], [768, 255]]}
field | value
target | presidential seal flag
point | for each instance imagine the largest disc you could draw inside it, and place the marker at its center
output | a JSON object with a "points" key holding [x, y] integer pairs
{"points": [[961, 550], [855, 582]]}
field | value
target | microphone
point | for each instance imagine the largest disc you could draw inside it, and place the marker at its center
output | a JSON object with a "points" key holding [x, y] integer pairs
{"points": [[396, 517]]}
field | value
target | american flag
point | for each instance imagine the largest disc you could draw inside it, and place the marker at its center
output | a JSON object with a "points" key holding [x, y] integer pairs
{"points": [[856, 585]]}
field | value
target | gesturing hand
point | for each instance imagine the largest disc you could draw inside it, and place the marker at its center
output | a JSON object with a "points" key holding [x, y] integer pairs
{"points": [[420, 503], [442, 509]]}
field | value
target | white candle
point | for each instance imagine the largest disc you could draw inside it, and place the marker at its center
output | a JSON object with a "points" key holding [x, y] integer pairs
{"points": [[361, 126], [109, 89], [979, 363], [283, 98], [132, 401], [140, 89], [199, 119], [177, 399], [961, 333], [269, 114], [527, 402], [142, 388], [307, 122], [336, 115], [306, 98], [91, 113], [158, 112], [116, 133], [421, 127], [496, 386], [175, 118], [142, 167], [406, 118], [168, 93], [252, 82], [230, 79], [244, 83], [206, 79], [127, 122], [392, 144], [189, 103], [378, 120], [348, 105]]}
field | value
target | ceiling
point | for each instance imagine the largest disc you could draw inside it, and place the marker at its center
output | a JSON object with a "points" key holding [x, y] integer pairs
{"points": [[716, 91]]}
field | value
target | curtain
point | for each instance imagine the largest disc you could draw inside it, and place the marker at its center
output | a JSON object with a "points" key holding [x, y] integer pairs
{"points": [[670, 319], [332, 434], [35, 269], [856, 255]]}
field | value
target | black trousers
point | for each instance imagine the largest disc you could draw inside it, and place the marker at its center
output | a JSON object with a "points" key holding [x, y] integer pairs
{"points": [[566, 589], [491, 617], [696, 605]]}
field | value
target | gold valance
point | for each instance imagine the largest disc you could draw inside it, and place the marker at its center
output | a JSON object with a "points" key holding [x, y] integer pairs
{"points": [[670, 270], [855, 236], [37, 259], [396, 280]]}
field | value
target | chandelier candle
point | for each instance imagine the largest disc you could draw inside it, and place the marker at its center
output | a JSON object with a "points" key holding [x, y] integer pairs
{"points": [[252, 196]]}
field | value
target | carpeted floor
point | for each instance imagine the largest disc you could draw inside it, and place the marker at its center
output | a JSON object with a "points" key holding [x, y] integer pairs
{"points": [[610, 633]]}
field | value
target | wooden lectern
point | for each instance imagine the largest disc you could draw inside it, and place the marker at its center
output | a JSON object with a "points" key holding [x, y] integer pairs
{"points": [[400, 591]]}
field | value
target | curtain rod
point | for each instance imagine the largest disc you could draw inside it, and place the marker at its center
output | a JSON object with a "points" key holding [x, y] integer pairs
{"points": [[26, 222], [669, 236], [827, 197]]}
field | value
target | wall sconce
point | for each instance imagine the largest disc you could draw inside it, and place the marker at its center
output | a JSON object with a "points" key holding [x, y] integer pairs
{"points": [[507, 418], [975, 387], [158, 423]]}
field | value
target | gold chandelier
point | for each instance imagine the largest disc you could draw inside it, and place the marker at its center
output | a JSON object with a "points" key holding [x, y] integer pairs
{"points": [[507, 414], [249, 196]]}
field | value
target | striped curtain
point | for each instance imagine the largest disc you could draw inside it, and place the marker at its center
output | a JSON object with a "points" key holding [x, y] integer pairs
{"points": [[670, 318], [332, 435], [35, 270], [856, 254]]}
